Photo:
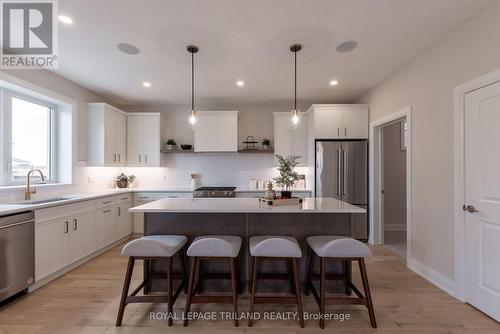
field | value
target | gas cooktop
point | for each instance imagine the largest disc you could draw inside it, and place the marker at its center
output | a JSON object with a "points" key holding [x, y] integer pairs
{"points": [[214, 192]]}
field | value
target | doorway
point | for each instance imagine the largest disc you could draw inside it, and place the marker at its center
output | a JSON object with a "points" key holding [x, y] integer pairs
{"points": [[393, 193], [390, 187]]}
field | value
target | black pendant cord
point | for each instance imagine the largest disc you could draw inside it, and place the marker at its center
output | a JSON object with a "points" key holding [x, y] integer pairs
{"points": [[295, 92], [192, 81]]}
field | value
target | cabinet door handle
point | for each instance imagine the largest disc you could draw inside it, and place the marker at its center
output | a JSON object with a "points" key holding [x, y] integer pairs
{"points": [[114, 156], [145, 158], [119, 158], [106, 211], [124, 198], [345, 132], [107, 202], [75, 224], [119, 211], [338, 132], [66, 227], [139, 158], [345, 176]]}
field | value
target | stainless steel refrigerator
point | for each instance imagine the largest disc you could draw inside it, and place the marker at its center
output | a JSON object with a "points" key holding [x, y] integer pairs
{"points": [[342, 172]]}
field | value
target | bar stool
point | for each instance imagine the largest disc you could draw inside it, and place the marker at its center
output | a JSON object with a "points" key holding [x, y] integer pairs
{"points": [[147, 248], [345, 249], [275, 248], [213, 247]]}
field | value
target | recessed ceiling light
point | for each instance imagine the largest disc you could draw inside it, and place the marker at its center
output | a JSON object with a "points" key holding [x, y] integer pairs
{"points": [[128, 49], [347, 46], [65, 19], [146, 84], [334, 83], [240, 83]]}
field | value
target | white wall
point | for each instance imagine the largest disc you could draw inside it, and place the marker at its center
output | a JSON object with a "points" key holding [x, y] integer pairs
{"points": [[426, 84]]}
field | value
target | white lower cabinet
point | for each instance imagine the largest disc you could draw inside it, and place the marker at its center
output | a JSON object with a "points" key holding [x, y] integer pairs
{"points": [[69, 233], [83, 241], [105, 227], [123, 220], [52, 247]]}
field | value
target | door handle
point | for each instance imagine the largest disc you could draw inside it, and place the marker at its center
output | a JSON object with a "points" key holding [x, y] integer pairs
{"points": [[114, 156], [344, 171], [339, 167], [139, 158], [338, 132], [345, 132], [119, 211], [75, 224], [469, 208], [66, 227], [145, 158], [119, 158]]}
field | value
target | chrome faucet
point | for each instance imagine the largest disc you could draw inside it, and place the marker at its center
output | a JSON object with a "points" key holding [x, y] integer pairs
{"points": [[29, 191]]}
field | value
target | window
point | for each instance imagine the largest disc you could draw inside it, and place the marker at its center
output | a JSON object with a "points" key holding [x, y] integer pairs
{"points": [[28, 138]]}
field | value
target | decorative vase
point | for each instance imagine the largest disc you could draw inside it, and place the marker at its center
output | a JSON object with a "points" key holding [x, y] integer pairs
{"points": [[286, 194], [265, 147], [270, 193]]}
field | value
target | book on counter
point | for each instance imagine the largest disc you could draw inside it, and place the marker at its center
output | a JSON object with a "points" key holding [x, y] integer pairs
{"points": [[281, 201]]}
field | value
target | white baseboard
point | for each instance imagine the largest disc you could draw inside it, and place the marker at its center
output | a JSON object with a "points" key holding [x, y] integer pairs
{"points": [[394, 227], [49, 278], [436, 278]]}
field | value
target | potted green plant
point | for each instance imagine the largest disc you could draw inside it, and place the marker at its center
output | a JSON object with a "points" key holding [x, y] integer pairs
{"points": [[171, 144], [266, 144], [288, 175]]}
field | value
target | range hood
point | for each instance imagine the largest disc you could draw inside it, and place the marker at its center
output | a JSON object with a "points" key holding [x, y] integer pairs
{"points": [[216, 131]]}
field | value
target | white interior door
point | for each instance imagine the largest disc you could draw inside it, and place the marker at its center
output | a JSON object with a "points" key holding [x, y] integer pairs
{"points": [[482, 192]]}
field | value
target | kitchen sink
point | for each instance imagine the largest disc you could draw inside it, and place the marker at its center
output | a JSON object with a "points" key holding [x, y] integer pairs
{"points": [[41, 201]]}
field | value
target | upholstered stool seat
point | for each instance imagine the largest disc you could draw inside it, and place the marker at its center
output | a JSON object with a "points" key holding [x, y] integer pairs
{"points": [[155, 246], [149, 248], [344, 250], [275, 246], [337, 246], [215, 246]]}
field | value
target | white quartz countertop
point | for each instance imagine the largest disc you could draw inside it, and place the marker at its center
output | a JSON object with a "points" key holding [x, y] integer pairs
{"points": [[245, 205], [22, 206]]}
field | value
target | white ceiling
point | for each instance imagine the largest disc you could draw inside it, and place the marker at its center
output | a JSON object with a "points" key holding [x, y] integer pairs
{"points": [[247, 40]]}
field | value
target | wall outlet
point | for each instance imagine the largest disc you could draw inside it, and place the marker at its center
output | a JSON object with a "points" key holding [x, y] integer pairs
{"points": [[90, 180]]}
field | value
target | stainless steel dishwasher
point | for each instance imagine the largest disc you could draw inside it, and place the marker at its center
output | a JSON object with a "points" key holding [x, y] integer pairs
{"points": [[17, 253]]}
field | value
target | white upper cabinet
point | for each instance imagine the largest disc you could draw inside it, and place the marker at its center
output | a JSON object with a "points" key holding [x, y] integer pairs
{"points": [[339, 121], [216, 131], [145, 135], [289, 140], [106, 135]]}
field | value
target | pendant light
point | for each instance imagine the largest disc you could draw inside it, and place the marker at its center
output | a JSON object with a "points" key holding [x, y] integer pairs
{"points": [[295, 112], [192, 118]]}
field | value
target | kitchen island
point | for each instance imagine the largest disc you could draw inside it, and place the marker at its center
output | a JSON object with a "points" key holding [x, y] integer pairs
{"points": [[245, 217]]}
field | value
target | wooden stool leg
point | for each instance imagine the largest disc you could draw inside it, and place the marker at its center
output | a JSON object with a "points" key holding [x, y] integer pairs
{"points": [[348, 277], [169, 291], [194, 265], [253, 283], [366, 287], [289, 263], [234, 290], [126, 286], [147, 268], [182, 255], [322, 292], [238, 280], [298, 292], [310, 263]]}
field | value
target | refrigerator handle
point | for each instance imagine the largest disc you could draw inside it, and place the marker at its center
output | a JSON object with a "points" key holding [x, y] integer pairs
{"points": [[344, 171], [339, 167]]}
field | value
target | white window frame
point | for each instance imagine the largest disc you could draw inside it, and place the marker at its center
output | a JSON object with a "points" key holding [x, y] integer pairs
{"points": [[6, 140]]}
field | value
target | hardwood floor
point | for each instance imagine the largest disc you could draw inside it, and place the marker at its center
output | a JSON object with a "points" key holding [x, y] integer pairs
{"points": [[86, 301]]}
